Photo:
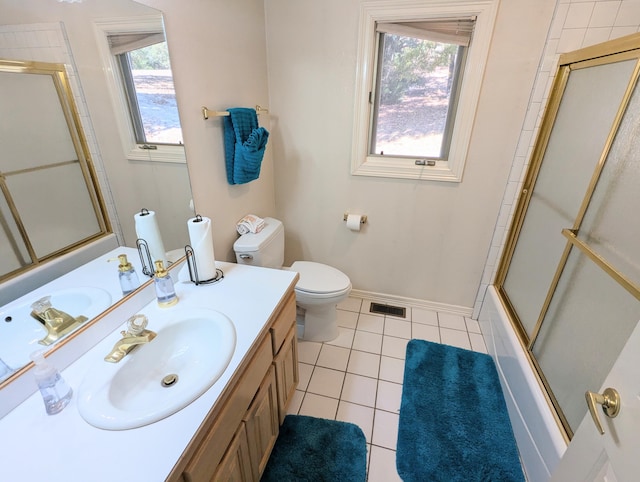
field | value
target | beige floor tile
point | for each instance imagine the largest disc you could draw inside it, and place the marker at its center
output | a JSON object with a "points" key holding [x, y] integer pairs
{"points": [[472, 326], [347, 319], [477, 343], [304, 373], [327, 382], [359, 389], [296, 401], [425, 317], [335, 357], [394, 347], [371, 323], [308, 351], [369, 342], [391, 369], [455, 338], [382, 465], [318, 406], [389, 396], [455, 322], [385, 429], [357, 414], [397, 328], [363, 363], [426, 332], [345, 338]]}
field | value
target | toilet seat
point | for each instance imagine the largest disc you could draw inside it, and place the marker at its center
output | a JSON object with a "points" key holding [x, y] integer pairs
{"points": [[320, 280]]}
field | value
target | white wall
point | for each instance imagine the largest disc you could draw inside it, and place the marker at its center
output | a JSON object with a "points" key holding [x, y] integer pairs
{"points": [[424, 240], [576, 24], [218, 57]]}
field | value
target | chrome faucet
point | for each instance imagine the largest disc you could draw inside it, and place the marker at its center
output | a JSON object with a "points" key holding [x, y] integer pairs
{"points": [[57, 322], [136, 334]]}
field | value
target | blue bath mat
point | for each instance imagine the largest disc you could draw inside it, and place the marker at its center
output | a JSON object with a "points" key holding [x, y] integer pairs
{"points": [[454, 424], [310, 449]]}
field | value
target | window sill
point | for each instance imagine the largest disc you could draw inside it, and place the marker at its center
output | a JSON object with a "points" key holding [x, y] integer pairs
{"points": [[400, 168], [174, 154]]}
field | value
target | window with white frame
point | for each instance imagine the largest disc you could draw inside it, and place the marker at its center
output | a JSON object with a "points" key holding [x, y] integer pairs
{"points": [[141, 84], [420, 70]]}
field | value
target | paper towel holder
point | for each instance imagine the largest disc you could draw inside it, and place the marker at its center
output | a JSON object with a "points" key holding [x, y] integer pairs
{"points": [[193, 268], [363, 218]]}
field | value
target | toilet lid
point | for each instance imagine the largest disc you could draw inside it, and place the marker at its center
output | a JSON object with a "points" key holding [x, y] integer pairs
{"points": [[319, 278]]}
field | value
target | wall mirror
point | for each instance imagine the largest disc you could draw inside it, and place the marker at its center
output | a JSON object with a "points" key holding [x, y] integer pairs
{"points": [[50, 202], [39, 32]]}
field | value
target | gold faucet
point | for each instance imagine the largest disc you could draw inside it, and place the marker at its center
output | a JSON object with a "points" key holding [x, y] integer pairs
{"points": [[135, 335], [57, 322]]}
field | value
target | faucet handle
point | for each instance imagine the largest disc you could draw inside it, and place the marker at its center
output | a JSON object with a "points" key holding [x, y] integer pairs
{"points": [[41, 305], [136, 324]]}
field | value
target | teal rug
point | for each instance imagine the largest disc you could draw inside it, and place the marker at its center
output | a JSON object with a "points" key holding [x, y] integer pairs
{"points": [[454, 424], [310, 449]]}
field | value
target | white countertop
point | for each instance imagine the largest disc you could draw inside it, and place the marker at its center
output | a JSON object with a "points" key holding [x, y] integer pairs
{"points": [[63, 447]]}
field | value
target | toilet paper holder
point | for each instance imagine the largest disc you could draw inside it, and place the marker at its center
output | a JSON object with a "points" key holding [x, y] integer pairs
{"points": [[363, 218]]}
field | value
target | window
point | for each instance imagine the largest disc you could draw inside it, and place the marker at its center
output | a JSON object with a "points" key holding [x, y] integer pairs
{"points": [[420, 69], [135, 52]]}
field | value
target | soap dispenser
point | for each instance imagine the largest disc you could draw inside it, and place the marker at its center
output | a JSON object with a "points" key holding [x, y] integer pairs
{"points": [[56, 394], [165, 291], [128, 277]]}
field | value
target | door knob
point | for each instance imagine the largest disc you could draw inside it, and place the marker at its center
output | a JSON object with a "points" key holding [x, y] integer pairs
{"points": [[610, 401]]}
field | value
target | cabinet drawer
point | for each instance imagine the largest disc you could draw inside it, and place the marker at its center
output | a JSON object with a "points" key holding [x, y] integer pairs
{"points": [[283, 322]]}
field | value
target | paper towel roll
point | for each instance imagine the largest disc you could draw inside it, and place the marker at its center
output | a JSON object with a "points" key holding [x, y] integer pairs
{"points": [[354, 222], [201, 240], [146, 225]]}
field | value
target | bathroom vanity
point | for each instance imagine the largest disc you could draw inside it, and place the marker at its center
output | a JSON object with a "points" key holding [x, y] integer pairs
{"points": [[227, 433]]}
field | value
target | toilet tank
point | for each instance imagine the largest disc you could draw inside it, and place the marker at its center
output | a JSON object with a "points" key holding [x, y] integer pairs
{"points": [[265, 248]]}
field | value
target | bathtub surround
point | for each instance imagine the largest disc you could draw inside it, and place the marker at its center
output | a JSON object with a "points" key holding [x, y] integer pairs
{"points": [[454, 423], [311, 448]]}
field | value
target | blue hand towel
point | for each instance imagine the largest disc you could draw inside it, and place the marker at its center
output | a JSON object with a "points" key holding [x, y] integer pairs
{"points": [[244, 145]]}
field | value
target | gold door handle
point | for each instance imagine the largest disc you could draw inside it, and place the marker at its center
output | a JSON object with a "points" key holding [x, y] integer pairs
{"points": [[610, 401]]}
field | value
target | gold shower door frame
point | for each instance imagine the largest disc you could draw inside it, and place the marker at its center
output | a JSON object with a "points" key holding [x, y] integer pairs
{"points": [[626, 48]]}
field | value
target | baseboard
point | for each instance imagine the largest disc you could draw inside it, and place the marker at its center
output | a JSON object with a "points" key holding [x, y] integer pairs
{"points": [[413, 302]]}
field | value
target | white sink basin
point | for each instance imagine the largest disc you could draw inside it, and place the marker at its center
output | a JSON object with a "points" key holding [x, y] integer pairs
{"points": [[20, 333], [196, 346]]}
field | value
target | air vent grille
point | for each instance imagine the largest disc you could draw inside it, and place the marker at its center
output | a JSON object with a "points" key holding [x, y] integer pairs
{"points": [[379, 308]]}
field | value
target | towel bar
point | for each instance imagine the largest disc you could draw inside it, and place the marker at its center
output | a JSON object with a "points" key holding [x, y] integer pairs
{"points": [[206, 113]]}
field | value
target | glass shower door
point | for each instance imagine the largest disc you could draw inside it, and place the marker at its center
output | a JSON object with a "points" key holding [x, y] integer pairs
{"points": [[596, 303]]}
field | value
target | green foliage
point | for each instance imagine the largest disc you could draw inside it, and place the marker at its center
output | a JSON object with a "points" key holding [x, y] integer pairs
{"points": [[407, 61], [154, 57]]}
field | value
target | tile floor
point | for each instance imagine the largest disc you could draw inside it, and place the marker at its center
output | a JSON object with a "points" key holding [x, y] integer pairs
{"points": [[357, 377]]}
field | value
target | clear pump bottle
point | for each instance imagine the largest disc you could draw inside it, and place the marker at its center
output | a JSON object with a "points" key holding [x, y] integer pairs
{"points": [[56, 394], [127, 275], [165, 291]]}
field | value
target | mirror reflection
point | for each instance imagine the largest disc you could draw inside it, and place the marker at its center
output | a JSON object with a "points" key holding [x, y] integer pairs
{"points": [[133, 172]]}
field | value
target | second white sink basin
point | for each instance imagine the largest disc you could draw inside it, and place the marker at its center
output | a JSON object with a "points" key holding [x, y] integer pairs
{"points": [[161, 377]]}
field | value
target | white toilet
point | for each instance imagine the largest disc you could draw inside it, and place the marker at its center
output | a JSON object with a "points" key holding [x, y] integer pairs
{"points": [[318, 291]]}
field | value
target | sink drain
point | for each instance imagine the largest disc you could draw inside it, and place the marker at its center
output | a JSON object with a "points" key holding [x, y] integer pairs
{"points": [[169, 380]]}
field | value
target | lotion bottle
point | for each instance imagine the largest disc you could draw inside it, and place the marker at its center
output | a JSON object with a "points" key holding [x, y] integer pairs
{"points": [[127, 275], [165, 291], [56, 394]]}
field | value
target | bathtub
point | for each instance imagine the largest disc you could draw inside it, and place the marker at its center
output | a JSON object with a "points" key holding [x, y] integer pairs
{"points": [[537, 434]]}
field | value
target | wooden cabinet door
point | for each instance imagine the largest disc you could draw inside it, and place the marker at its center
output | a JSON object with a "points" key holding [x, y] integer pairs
{"points": [[262, 423], [286, 365], [235, 466]]}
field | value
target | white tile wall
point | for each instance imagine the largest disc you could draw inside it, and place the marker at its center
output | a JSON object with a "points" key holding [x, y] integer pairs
{"points": [[576, 24]]}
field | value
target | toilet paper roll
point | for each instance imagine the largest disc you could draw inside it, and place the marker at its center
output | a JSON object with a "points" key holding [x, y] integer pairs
{"points": [[354, 222], [201, 240], [146, 225]]}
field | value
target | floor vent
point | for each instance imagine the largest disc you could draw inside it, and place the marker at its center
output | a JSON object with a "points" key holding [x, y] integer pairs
{"points": [[398, 311]]}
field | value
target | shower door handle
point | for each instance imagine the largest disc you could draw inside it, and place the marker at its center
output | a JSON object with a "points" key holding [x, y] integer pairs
{"points": [[610, 401]]}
